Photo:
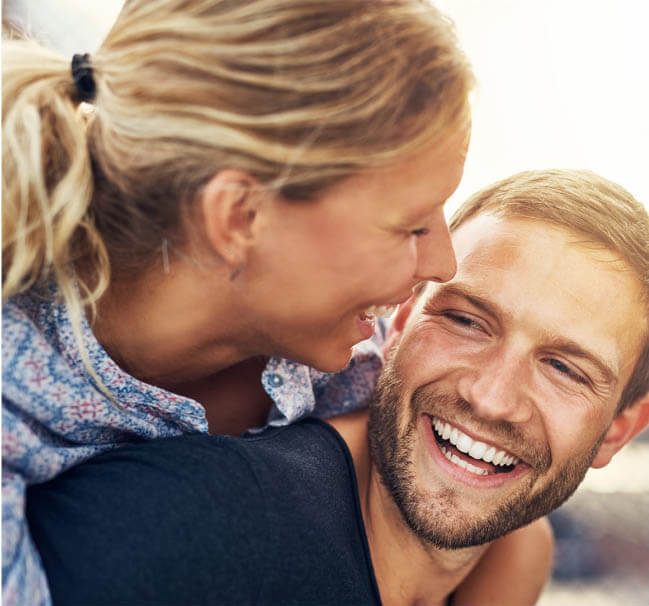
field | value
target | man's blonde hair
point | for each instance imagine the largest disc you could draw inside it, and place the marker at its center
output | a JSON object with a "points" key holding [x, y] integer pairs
{"points": [[600, 211]]}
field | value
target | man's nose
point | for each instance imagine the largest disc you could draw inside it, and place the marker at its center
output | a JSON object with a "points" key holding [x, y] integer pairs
{"points": [[435, 254], [497, 387]]}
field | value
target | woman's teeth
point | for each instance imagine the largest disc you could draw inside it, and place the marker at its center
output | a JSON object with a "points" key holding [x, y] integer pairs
{"points": [[476, 450], [381, 311]]}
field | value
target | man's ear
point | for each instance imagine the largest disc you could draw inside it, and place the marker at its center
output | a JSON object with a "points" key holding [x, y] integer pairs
{"points": [[397, 325], [629, 423], [229, 204]]}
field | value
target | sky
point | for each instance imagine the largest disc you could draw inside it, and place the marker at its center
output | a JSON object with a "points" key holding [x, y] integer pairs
{"points": [[561, 83]]}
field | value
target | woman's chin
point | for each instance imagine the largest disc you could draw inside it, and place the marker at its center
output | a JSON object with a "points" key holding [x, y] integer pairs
{"points": [[335, 361]]}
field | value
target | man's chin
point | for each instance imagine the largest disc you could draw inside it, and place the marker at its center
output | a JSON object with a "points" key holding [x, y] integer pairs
{"points": [[446, 520], [442, 521]]}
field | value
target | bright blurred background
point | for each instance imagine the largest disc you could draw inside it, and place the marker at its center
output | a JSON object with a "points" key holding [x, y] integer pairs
{"points": [[561, 83]]}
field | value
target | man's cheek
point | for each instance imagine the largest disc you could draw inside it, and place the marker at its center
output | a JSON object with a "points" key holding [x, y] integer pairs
{"points": [[427, 359]]}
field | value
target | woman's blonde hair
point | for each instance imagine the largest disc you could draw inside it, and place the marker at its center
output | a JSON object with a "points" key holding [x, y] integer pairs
{"points": [[601, 211], [298, 93]]}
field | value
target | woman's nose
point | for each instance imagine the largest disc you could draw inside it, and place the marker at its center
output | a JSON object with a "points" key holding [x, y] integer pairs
{"points": [[435, 255]]}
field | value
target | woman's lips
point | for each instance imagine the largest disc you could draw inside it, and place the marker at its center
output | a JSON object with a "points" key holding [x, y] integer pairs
{"points": [[366, 319], [366, 324]]}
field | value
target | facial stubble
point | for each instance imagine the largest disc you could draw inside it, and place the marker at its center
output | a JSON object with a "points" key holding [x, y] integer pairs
{"points": [[438, 516]]}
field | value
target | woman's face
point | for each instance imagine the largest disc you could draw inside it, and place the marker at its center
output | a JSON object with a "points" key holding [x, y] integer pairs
{"points": [[320, 265]]}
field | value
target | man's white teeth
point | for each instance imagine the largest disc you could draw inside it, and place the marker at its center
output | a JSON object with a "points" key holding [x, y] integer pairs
{"points": [[455, 459], [382, 311], [476, 450]]}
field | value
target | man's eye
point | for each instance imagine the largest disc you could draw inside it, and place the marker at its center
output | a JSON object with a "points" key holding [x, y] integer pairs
{"points": [[566, 370], [422, 231], [462, 320]]}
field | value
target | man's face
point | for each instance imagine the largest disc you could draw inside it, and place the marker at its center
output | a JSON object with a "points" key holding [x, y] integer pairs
{"points": [[505, 380]]}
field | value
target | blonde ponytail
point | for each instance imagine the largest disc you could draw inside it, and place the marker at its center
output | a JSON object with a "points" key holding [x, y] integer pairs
{"points": [[47, 226], [47, 180]]}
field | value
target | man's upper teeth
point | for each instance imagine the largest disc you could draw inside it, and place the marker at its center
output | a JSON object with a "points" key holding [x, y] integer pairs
{"points": [[382, 311], [476, 450]]}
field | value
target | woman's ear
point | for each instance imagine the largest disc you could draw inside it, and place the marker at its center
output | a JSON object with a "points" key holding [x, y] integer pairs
{"points": [[626, 425], [229, 204]]}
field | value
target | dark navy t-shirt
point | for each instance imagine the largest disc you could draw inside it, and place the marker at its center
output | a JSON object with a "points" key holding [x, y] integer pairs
{"points": [[269, 519]]}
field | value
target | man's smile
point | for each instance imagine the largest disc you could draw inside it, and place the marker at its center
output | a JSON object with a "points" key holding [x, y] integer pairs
{"points": [[468, 460], [447, 433]]}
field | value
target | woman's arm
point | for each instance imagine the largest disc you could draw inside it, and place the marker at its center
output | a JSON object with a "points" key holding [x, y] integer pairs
{"points": [[513, 571]]}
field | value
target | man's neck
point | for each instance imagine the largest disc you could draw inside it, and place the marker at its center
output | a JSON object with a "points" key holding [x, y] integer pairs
{"points": [[408, 570]]}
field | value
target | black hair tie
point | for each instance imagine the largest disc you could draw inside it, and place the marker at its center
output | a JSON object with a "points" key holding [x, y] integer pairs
{"points": [[83, 78]]}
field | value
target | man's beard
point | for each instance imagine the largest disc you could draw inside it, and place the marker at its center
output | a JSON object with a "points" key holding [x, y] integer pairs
{"points": [[438, 517]]}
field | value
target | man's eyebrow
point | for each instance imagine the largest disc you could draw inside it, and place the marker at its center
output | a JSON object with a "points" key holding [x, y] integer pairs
{"points": [[574, 349], [457, 290], [560, 343]]}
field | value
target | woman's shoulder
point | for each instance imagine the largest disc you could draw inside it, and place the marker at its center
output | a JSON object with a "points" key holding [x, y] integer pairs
{"points": [[37, 386], [53, 405], [27, 333]]}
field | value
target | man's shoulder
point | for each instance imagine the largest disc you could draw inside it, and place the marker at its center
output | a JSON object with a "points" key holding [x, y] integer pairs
{"points": [[267, 517], [299, 457], [287, 438], [316, 529], [274, 460], [181, 519]]}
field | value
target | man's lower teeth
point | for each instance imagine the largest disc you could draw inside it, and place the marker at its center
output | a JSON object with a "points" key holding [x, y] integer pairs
{"points": [[455, 459]]}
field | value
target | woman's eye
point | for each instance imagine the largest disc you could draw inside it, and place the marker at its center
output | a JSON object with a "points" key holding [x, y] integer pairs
{"points": [[564, 369], [422, 231]]}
